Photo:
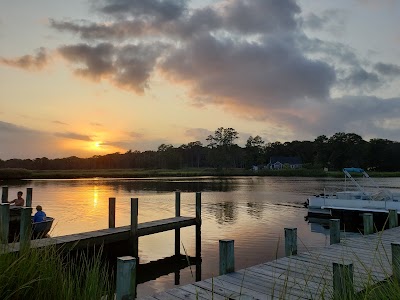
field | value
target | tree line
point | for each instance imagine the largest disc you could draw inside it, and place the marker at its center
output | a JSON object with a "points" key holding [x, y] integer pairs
{"points": [[221, 151]]}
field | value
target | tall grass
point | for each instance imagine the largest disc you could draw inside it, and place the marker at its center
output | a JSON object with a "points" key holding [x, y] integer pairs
{"points": [[48, 274]]}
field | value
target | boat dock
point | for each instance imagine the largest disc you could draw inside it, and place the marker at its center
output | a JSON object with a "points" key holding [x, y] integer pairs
{"points": [[365, 259], [129, 234]]}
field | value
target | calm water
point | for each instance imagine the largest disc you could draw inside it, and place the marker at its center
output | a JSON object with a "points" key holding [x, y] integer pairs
{"points": [[253, 211]]}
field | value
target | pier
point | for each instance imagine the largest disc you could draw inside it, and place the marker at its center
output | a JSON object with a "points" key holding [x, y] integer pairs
{"points": [[129, 234], [346, 267]]}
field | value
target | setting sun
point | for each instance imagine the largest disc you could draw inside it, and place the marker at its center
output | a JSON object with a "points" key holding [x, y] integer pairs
{"points": [[97, 144]]}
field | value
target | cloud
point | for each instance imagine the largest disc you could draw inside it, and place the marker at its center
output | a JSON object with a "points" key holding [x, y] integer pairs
{"points": [[28, 62], [331, 20], [23, 142], [267, 74], [59, 122], [128, 66], [136, 135], [388, 69], [73, 136]]}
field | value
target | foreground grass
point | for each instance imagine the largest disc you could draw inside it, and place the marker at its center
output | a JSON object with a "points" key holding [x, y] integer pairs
{"points": [[46, 274], [187, 172]]}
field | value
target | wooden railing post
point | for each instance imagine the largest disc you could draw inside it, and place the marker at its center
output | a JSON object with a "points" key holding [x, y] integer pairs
{"points": [[4, 222], [396, 261], [290, 241], [226, 257], [28, 198], [198, 225], [368, 221], [4, 194], [25, 234], [343, 287], [126, 278], [334, 229], [177, 231], [134, 227], [393, 218], [111, 212]]}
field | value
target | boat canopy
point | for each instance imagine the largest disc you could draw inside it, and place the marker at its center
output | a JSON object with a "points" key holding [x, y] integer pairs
{"points": [[355, 170]]}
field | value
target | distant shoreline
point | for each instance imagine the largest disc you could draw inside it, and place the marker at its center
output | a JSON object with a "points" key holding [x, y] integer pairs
{"points": [[9, 174]]}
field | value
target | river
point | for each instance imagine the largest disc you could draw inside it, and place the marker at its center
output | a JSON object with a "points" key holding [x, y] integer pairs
{"points": [[253, 211]]}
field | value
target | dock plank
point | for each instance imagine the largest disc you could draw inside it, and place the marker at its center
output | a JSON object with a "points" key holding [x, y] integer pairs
{"points": [[309, 274]]}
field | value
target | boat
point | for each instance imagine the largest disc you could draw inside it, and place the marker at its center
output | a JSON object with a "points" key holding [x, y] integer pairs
{"points": [[39, 229], [361, 195]]}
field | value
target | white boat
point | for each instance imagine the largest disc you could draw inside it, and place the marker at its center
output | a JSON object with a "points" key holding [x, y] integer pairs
{"points": [[364, 198]]}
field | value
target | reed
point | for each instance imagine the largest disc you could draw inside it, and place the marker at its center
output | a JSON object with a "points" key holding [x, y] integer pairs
{"points": [[48, 274]]}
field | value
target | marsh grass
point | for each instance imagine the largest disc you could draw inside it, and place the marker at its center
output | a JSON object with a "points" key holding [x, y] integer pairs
{"points": [[48, 274]]}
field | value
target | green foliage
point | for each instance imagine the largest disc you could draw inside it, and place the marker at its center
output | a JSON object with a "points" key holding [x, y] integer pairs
{"points": [[47, 274], [14, 173]]}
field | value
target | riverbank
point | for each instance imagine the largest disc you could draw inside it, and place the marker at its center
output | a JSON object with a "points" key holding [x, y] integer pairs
{"points": [[14, 173]]}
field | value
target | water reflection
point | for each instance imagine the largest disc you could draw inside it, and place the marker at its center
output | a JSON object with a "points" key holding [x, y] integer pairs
{"points": [[225, 212], [251, 210]]}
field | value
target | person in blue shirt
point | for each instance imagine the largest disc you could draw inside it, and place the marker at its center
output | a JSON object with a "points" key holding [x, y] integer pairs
{"points": [[40, 215]]}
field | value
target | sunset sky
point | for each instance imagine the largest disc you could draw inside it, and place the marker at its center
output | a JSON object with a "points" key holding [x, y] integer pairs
{"points": [[89, 77]]}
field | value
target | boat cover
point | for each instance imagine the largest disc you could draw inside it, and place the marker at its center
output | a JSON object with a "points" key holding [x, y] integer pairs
{"points": [[355, 170]]}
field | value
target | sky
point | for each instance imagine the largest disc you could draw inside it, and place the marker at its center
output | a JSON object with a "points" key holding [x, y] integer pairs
{"points": [[83, 78]]}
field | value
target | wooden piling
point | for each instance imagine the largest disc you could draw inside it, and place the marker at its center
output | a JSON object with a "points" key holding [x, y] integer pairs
{"points": [[4, 194], [343, 287], [25, 234], [178, 230], [334, 229], [226, 257], [134, 238], [368, 223], [28, 199], [4, 222], [126, 278], [111, 212], [198, 225], [290, 241], [393, 218], [396, 261]]}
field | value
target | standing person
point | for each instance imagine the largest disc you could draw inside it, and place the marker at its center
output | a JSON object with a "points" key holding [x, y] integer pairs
{"points": [[40, 215], [19, 201]]}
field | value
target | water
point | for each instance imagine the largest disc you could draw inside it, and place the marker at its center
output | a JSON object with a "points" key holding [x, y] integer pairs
{"points": [[253, 211]]}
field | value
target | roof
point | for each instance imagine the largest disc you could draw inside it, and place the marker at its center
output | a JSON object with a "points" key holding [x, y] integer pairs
{"points": [[291, 160]]}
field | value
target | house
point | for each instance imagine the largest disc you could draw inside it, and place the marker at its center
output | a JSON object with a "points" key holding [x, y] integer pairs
{"points": [[283, 162]]}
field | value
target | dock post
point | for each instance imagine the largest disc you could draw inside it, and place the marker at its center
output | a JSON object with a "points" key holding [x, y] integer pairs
{"points": [[28, 198], [368, 223], [290, 241], [396, 261], [334, 229], [126, 278], [134, 228], [178, 230], [393, 219], [198, 225], [343, 287], [4, 222], [4, 194], [226, 257], [111, 212], [25, 228]]}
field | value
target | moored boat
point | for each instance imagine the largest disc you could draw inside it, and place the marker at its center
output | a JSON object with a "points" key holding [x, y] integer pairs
{"points": [[355, 197], [39, 229]]}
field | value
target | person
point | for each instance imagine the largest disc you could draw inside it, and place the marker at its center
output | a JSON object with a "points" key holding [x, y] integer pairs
{"points": [[40, 215], [19, 201]]}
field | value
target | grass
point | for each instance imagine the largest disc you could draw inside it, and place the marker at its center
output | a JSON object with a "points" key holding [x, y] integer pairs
{"points": [[48, 274], [186, 172]]}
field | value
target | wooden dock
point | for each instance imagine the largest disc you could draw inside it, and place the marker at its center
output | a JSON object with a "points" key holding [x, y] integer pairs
{"points": [[308, 275], [130, 233]]}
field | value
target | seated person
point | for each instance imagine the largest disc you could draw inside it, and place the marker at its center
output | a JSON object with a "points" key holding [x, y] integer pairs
{"points": [[40, 216], [19, 201]]}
